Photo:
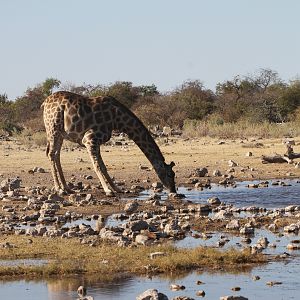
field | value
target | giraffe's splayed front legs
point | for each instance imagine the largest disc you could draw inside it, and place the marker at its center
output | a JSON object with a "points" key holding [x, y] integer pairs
{"points": [[100, 169]]}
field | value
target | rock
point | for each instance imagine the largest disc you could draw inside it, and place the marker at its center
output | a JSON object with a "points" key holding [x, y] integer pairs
{"points": [[217, 173], [293, 246], [141, 239], [157, 185], [249, 154], [10, 184], [263, 241], [252, 186], [167, 131], [99, 224], [222, 214], [131, 207], [200, 293], [38, 170], [182, 298], [214, 201], [233, 298], [137, 225], [200, 172], [152, 294], [255, 277], [273, 227], [291, 208], [291, 228], [247, 230], [271, 283], [232, 164], [233, 225], [81, 291], [177, 287]]}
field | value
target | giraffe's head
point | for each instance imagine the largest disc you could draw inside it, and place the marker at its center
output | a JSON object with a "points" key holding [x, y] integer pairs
{"points": [[167, 176]]}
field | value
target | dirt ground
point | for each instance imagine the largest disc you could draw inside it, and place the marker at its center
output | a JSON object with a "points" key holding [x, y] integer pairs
{"points": [[124, 162]]}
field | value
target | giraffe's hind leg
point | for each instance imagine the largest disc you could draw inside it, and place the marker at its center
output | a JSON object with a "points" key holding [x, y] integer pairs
{"points": [[93, 149], [54, 147]]}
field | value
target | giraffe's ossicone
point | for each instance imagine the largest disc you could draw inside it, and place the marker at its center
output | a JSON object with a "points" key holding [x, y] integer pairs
{"points": [[90, 122]]}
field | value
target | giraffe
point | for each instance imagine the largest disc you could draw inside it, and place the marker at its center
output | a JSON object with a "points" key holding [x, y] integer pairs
{"points": [[90, 122]]}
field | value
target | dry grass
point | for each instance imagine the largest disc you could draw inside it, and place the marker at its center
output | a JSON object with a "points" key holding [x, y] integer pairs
{"points": [[27, 138], [241, 129], [71, 257]]}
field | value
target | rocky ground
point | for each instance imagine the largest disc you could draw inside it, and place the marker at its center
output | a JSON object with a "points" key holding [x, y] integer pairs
{"points": [[31, 207]]}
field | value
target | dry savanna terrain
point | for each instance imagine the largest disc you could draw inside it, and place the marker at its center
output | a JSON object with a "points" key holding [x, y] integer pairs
{"points": [[127, 164]]}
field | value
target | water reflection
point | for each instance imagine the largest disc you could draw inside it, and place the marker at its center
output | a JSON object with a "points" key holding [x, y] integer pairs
{"points": [[216, 284]]}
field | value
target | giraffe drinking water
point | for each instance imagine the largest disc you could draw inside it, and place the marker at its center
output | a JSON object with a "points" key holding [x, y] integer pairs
{"points": [[90, 122]]}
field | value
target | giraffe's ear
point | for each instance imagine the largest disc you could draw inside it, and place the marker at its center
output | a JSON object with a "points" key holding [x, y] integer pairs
{"points": [[172, 164]]}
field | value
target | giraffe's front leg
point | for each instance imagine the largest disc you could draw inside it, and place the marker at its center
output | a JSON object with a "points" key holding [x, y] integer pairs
{"points": [[93, 150], [107, 177]]}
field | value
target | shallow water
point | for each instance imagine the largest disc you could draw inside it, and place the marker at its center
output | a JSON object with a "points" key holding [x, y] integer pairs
{"points": [[216, 283], [273, 196]]}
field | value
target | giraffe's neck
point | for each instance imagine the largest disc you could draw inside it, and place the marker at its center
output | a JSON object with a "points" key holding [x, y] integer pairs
{"points": [[137, 131]]}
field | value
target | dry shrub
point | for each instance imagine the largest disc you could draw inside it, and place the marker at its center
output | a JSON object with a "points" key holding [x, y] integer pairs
{"points": [[29, 138], [240, 129]]}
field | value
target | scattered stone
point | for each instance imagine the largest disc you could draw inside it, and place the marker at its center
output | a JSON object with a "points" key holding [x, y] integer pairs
{"points": [[157, 185], [255, 278], [214, 201], [271, 283], [233, 225], [291, 228], [232, 164], [199, 172], [152, 294], [217, 173], [200, 293], [177, 287], [247, 230], [233, 298], [293, 246], [182, 298], [131, 207]]}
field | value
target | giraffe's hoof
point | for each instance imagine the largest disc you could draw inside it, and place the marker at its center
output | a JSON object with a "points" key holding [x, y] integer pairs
{"points": [[66, 191]]}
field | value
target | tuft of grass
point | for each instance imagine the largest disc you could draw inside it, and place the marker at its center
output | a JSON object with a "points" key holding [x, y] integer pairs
{"points": [[70, 257]]}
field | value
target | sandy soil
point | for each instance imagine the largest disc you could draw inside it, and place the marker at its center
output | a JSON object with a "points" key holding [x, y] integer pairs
{"points": [[123, 162]]}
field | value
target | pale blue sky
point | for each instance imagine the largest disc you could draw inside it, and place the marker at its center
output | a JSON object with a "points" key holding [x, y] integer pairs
{"points": [[164, 42]]}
